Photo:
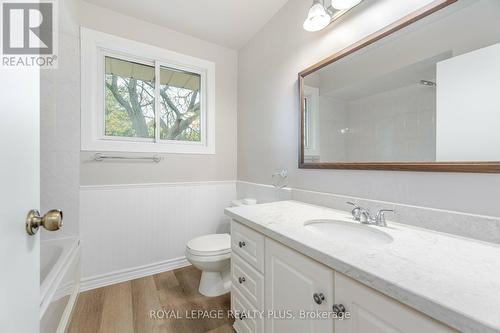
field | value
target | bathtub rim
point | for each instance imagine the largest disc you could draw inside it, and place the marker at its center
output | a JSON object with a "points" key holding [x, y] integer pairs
{"points": [[48, 287]]}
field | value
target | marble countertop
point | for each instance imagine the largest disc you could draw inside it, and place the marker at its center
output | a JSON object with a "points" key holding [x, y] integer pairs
{"points": [[452, 279]]}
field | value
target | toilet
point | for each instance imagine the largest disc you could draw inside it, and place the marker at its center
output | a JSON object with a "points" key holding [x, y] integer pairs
{"points": [[212, 255]]}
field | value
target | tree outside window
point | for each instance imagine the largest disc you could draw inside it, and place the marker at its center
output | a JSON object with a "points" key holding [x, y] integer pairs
{"points": [[130, 102]]}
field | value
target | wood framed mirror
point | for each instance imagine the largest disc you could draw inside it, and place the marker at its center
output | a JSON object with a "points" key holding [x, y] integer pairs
{"points": [[419, 95]]}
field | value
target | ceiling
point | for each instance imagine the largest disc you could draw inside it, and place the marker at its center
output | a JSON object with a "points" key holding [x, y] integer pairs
{"points": [[230, 23], [409, 75]]}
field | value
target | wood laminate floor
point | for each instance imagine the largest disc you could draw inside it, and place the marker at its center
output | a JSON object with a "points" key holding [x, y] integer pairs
{"points": [[125, 307]]}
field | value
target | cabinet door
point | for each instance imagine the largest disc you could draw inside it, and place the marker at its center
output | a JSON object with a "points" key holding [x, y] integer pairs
{"points": [[373, 312], [291, 279]]}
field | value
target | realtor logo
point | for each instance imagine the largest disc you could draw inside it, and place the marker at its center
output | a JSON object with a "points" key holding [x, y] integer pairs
{"points": [[28, 28]]}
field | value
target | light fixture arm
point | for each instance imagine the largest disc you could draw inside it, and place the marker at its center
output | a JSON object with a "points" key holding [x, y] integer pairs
{"points": [[330, 10]]}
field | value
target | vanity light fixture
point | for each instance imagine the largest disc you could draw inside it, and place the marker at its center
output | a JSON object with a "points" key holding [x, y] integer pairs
{"points": [[317, 17], [345, 4], [320, 16]]}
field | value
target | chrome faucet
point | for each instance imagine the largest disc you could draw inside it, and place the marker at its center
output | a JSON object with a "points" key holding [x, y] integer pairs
{"points": [[356, 211], [363, 215], [380, 217]]}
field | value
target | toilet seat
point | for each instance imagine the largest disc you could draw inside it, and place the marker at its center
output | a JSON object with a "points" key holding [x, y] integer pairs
{"points": [[210, 245]]}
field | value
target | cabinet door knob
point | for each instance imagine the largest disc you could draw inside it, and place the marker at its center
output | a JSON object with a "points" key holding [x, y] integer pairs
{"points": [[242, 244], [241, 279], [242, 316], [338, 309], [318, 298]]}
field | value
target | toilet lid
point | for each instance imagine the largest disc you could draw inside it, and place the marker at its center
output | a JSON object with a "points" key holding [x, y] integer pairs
{"points": [[213, 244]]}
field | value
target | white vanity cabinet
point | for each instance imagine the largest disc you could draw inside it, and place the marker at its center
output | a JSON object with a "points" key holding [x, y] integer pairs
{"points": [[292, 283], [248, 244], [247, 278], [269, 276], [373, 312]]}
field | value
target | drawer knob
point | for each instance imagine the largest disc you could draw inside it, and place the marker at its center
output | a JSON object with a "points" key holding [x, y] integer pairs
{"points": [[338, 309], [241, 279], [318, 298], [242, 244]]}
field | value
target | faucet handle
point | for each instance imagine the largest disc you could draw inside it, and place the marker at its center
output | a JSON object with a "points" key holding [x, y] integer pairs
{"points": [[356, 211], [380, 218]]}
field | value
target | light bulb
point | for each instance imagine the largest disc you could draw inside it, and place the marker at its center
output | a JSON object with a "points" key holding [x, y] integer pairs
{"points": [[344, 4], [317, 18]]}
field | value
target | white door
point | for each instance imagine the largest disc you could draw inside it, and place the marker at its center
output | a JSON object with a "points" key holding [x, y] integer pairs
{"points": [[292, 281], [19, 193], [373, 312]]}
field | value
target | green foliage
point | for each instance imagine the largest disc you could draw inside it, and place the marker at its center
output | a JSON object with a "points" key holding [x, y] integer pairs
{"points": [[117, 121]]}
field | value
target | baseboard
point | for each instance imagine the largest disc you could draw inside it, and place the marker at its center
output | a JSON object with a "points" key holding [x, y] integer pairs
{"points": [[98, 281]]}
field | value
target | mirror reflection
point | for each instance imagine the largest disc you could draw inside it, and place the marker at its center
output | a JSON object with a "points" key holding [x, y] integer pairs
{"points": [[429, 92]]}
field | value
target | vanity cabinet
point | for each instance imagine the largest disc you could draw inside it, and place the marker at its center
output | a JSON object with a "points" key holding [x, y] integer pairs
{"points": [[373, 312], [248, 244], [271, 278], [247, 278], [296, 283]]}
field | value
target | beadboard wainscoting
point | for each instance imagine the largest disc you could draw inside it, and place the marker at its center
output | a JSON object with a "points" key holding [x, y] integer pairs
{"points": [[130, 231]]}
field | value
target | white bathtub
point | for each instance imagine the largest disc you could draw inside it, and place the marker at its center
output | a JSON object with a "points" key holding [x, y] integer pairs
{"points": [[59, 282]]}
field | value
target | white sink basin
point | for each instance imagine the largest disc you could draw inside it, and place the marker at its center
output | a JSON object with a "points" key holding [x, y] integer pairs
{"points": [[346, 232]]}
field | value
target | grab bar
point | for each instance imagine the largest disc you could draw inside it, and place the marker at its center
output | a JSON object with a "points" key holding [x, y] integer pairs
{"points": [[101, 157]]}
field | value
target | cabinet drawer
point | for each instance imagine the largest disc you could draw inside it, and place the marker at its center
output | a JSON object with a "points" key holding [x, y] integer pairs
{"points": [[248, 244], [250, 323], [248, 281]]}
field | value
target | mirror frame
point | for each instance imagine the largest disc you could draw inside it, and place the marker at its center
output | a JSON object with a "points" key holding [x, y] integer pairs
{"points": [[466, 166]]}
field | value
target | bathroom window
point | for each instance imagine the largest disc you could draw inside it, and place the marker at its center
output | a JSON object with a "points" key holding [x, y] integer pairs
{"points": [[307, 123], [129, 102], [140, 98], [311, 124], [180, 105]]}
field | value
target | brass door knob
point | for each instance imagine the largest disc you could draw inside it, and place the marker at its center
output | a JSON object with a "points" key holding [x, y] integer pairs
{"points": [[51, 221]]}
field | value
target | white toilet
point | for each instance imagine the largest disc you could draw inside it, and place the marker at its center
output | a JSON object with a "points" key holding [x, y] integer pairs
{"points": [[212, 255]]}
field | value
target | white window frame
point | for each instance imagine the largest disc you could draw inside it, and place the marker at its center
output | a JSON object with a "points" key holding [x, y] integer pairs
{"points": [[312, 96], [95, 46]]}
